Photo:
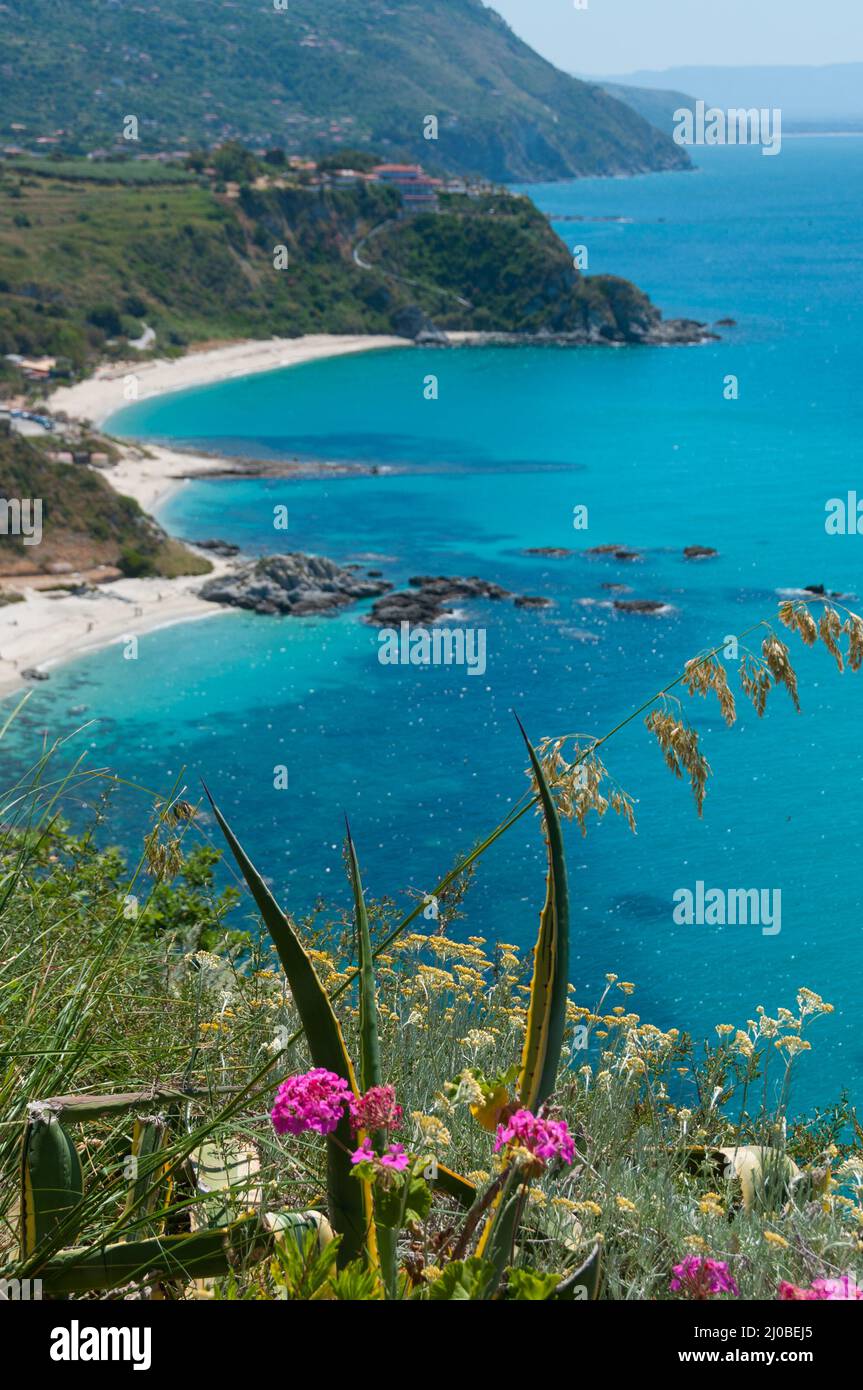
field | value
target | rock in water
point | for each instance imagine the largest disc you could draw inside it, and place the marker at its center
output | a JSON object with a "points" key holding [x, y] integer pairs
{"points": [[430, 597], [640, 605], [226, 548], [434, 595], [553, 552], [294, 584], [531, 601]]}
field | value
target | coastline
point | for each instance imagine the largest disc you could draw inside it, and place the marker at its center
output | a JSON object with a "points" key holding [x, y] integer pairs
{"points": [[49, 628], [101, 395]]}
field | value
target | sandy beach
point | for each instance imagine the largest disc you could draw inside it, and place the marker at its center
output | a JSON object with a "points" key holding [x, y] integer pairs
{"points": [[107, 391], [47, 629], [52, 627]]}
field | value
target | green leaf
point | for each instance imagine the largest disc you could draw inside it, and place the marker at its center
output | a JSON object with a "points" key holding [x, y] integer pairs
{"points": [[349, 1201], [297, 1225], [149, 1188], [524, 1286], [370, 1066], [454, 1185], [79, 1108], [370, 1048], [52, 1183], [404, 1204], [497, 1242], [463, 1281], [356, 1284], [206, 1254], [546, 1018], [582, 1284], [304, 1266]]}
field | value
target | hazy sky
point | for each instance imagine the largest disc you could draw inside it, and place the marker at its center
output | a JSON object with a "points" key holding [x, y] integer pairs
{"points": [[618, 36]]}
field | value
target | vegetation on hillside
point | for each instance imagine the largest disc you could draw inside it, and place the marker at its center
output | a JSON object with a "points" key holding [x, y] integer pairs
{"points": [[85, 264], [501, 257], [85, 522], [316, 75], [372, 1105]]}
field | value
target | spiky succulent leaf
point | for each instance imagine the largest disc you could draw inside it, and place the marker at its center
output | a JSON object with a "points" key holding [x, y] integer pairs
{"points": [[349, 1200], [52, 1183], [546, 1018]]}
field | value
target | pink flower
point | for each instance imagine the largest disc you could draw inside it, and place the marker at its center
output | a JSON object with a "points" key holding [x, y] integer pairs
{"points": [[844, 1288], [543, 1138], [316, 1100], [395, 1158], [392, 1160], [822, 1289], [377, 1109], [700, 1278]]}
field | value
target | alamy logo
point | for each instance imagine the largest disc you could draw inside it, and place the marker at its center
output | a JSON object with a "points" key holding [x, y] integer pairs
{"points": [[719, 907], [844, 516], [437, 646], [77, 1343], [20, 1290], [736, 126], [21, 516]]}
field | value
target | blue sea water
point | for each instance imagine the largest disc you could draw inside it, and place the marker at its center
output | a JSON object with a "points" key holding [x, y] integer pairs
{"points": [[426, 760]]}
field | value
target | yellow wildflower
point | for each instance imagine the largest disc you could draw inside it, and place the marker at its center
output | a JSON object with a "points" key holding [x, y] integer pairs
{"points": [[433, 1130]]}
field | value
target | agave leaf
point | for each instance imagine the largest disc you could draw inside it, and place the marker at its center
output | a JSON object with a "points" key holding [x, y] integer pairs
{"points": [[297, 1225], [546, 1018], [349, 1200], [205, 1254], [77, 1109], [454, 1185], [370, 1059], [584, 1283], [497, 1242], [52, 1183], [150, 1186], [370, 1047]]}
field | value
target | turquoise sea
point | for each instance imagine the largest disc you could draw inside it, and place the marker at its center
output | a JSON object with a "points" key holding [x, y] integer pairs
{"points": [[426, 760]]}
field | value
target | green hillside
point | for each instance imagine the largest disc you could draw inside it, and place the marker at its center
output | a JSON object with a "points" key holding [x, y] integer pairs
{"points": [[84, 265], [84, 521], [656, 106], [319, 74]]}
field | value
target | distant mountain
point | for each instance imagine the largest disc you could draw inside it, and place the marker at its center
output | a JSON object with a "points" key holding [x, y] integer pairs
{"points": [[810, 98], [656, 105], [315, 75]]}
